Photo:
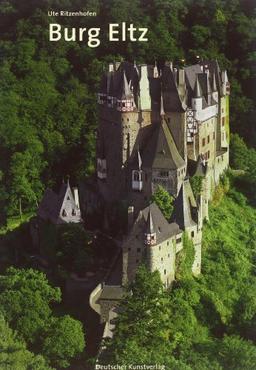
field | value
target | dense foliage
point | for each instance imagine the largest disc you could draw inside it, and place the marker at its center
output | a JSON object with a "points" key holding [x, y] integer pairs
{"points": [[26, 300], [164, 201], [47, 89], [243, 159], [203, 322]]}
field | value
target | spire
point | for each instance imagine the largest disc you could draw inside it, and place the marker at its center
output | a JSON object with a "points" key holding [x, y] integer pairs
{"points": [[150, 229], [209, 90], [135, 67], [214, 85], [139, 160], [155, 71], [198, 91], [68, 177], [162, 112], [224, 76], [126, 87]]}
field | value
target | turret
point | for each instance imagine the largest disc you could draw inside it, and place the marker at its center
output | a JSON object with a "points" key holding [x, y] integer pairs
{"points": [[225, 83], [197, 99], [215, 94], [155, 71], [209, 90], [145, 100], [150, 232], [126, 103]]}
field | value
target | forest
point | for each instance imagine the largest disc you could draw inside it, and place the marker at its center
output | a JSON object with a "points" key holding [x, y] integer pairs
{"points": [[48, 118]]}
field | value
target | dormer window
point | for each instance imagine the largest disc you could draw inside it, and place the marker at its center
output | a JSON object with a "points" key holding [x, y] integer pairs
{"points": [[73, 212], [68, 198], [137, 180], [64, 213]]}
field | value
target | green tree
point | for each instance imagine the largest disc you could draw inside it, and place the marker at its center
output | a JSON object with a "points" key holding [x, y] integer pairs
{"points": [[236, 353], [164, 201], [13, 352], [25, 298], [142, 323], [63, 341]]}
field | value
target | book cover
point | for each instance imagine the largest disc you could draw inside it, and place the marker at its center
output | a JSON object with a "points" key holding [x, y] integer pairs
{"points": [[127, 184]]}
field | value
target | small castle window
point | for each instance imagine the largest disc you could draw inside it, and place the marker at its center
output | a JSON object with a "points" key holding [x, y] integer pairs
{"points": [[203, 142], [213, 136], [159, 229], [138, 249], [159, 247], [168, 255], [129, 249], [208, 139], [73, 212], [167, 243], [162, 259], [192, 234], [64, 213], [68, 198], [137, 261], [178, 240], [164, 271]]}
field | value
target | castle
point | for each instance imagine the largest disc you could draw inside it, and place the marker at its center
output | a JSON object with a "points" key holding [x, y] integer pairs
{"points": [[158, 125]]}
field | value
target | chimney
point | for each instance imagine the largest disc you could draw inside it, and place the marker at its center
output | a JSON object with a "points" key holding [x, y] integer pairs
{"points": [[130, 217], [76, 196], [111, 67]]}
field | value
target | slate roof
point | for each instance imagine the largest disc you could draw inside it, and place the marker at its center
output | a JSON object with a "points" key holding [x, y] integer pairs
{"points": [[171, 98], [185, 207], [50, 206], [125, 81], [111, 292], [197, 168], [162, 228], [161, 151]]}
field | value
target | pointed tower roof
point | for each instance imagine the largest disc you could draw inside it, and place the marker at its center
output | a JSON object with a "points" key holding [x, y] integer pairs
{"points": [[185, 207], [198, 90], [161, 151], [150, 228], [155, 71], [209, 90], [126, 87], [214, 85], [139, 160], [162, 112]]}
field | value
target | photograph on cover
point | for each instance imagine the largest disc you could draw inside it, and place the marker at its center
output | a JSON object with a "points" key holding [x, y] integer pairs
{"points": [[127, 184]]}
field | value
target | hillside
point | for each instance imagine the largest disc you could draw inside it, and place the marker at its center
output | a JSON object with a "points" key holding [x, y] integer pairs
{"points": [[204, 322]]}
